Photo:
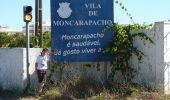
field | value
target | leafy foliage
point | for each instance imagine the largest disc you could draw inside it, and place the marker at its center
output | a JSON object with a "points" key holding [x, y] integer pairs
{"points": [[5, 39], [47, 39], [121, 48], [19, 40], [125, 9]]}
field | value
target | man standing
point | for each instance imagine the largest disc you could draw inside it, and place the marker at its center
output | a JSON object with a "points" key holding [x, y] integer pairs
{"points": [[41, 68]]}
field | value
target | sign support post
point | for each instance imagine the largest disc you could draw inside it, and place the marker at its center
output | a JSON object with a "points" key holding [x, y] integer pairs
{"points": [[105, 72]]}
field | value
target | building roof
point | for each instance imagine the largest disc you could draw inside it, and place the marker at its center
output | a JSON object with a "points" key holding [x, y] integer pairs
{"points": [[44, 23], [47, 23]]}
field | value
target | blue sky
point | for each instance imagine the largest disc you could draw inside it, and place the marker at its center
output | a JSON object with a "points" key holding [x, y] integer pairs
{"points": [[12, 12], [142, 11]]}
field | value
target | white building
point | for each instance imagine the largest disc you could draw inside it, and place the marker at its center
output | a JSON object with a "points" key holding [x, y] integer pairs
{"points": [[6, 29], [46, 26]]}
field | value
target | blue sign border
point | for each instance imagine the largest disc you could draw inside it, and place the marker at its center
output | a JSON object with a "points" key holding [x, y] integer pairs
{"points": [[76, 29]]}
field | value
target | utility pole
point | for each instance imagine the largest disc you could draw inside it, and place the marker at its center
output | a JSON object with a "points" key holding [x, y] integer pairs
{"points": [[40, 23], [36, 21]]}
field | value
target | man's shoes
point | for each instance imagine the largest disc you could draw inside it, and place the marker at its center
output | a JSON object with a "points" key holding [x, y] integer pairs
{"points": [[41, 94]]}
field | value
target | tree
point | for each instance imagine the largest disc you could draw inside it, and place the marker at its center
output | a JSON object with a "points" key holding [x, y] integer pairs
{"points": [[47, 39], [18, 40], [5, 39]]}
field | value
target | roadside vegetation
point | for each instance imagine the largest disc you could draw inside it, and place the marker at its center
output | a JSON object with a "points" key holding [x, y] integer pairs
{"points": [[88, 89], [18, 40]]}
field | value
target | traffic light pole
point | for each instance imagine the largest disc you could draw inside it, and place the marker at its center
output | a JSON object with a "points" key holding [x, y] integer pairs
{"points": [[27, 54]]}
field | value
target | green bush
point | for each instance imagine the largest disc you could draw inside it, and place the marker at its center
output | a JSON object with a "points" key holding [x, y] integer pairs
{"points": [[121, 48], [18, 40], [5, 39], [47, 39]]}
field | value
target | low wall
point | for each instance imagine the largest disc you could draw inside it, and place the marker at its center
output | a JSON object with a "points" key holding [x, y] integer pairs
{"points": [[13, 68], [153, 71]]}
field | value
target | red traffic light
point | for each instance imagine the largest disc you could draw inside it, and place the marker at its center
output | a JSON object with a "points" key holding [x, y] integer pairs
{"points": [[28, 9]]}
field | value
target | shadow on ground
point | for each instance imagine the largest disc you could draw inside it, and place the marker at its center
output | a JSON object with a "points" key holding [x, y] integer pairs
{"points": [[6, 95]]}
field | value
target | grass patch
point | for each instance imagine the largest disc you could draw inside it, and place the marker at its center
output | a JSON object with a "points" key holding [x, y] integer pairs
{"points": [[86, 88], [81, 88], [52, 94]]}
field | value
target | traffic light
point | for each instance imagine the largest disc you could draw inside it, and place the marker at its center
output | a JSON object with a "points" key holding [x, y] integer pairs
{"points": [[27, 13]]}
